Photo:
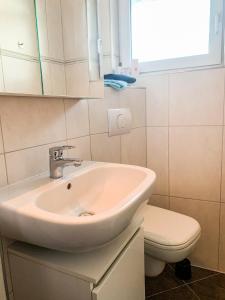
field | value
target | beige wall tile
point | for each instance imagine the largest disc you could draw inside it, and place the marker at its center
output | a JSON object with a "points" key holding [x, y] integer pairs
{"points": [[77, 119], [223, 170], [31, 122], [207, 214], [3, 177], [98, 110], [133, 147], [160, 201], [29, 162], [157, 157], [104, 148], [1, 76], [135, 99], [157, 99], [195, 162], [26, 163], [77, 79], [222, 239], [1, 141], [83, 148], [196, 98]]}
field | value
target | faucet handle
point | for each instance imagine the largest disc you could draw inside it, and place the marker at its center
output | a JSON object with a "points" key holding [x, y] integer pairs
{"points": [[57, 152]]}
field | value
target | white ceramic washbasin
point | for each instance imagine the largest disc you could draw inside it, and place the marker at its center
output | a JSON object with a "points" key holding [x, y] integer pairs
{"points": [[84, 210]]}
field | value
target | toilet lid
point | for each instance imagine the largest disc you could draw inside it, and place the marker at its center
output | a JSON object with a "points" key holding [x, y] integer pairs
{"points": [[168, 228]]}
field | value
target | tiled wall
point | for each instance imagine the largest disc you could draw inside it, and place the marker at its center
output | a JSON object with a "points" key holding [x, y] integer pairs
{"points": [[185, 133], [31, 125]]}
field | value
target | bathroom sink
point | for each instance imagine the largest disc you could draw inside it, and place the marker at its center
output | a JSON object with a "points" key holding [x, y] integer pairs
{"points": [[83, 210]]}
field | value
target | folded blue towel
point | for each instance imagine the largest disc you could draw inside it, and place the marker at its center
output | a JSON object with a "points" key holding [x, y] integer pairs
{"points": [[120, 77], [116, 84]]}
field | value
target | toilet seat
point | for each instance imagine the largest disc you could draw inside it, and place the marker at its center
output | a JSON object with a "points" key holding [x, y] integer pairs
{"points": [[169, 236]]}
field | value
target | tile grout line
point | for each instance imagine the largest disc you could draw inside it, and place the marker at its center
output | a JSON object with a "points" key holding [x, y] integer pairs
{"points": [[2, 70], [168, 142], [193, 292], [89, 122], [186, 198], [166, 291], [184, 283], [4, 153], [64, 109], [63, 44], [36, 146], [221, 179], [146, 132], [201, 279], [188, 126], [198, 280]]}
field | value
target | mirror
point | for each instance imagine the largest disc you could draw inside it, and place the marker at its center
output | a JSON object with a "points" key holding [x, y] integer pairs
{"points": [[70, 47], [51, 48], [19, 55]]}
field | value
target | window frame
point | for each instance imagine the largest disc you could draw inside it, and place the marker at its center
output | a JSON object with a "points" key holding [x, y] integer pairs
{"points": [[214, 58]]}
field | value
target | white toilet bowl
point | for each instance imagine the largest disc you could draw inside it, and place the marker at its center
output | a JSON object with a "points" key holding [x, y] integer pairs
{"points": [[169, 237]]}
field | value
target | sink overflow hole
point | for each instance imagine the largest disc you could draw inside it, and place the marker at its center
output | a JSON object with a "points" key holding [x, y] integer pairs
{"points": [[86, 214], [69, 186]]}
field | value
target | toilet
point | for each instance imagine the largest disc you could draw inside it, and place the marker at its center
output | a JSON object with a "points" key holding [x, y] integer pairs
{"points": [[170, 237]]}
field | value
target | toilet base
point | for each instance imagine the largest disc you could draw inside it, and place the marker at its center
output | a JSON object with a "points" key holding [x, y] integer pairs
{"points": [[153, 267], [183, 270]]}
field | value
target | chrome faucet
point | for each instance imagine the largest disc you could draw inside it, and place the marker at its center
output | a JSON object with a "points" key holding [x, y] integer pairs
{"points": [[57, 162]]}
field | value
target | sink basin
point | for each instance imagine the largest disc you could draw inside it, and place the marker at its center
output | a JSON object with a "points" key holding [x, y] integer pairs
{"points": [[83, 210]]}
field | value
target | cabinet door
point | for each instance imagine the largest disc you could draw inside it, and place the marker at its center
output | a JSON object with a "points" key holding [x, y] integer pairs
{"points": [[26, 79], [18, 27], [77, 79], [54, 30], [2, 285], [74, 22], [125, 280], [95, 58], [1, 76]]}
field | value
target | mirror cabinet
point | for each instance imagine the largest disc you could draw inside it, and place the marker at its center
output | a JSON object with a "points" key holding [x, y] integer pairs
{"points": [[20, 67], [51, 48]]}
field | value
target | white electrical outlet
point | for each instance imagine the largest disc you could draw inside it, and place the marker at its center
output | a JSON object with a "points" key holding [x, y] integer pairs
{"points": [[120, 120]]}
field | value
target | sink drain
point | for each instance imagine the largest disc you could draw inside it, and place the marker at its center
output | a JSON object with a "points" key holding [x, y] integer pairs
{"points": [[86, 214]]}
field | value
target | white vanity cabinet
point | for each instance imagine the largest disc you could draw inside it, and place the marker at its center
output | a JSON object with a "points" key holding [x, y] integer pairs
{"points": [[2, 284], [113, 272], [1, 77], [125, 278]]}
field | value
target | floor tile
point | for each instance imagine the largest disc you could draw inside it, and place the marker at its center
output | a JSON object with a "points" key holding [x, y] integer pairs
{"points": [[166, 281], [212, 288], [183, 293], [199, 273]]}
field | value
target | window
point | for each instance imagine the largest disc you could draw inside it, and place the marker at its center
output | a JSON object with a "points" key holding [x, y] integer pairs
{"points": [[170, 34]]}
